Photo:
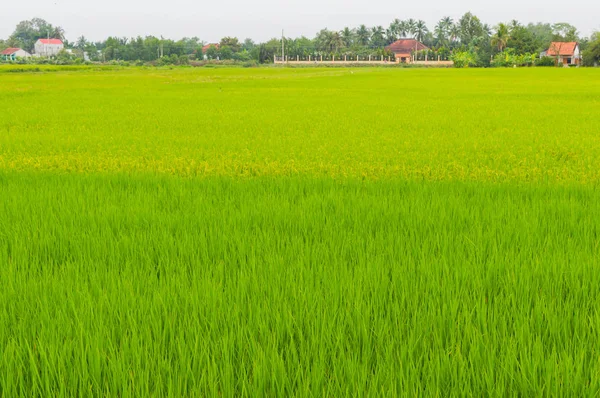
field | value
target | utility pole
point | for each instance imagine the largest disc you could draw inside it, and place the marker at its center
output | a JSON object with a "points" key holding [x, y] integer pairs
{"points": [[282, 47]]}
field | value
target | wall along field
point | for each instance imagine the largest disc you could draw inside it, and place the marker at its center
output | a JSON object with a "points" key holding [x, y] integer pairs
{"points": [[279, 232]]}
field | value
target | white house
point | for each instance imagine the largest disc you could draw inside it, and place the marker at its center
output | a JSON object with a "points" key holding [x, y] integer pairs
{"points": [[12, 54], [48, 47]]}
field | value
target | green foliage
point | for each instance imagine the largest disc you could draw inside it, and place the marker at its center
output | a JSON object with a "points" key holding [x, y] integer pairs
{"points": [[232, 43], [522, 41], [508, 59], [463, 59], [501, 37], [565, 32], [545, 61], [225, 52], [591, 55], [212, 52], [543, 35], [470, 28], [250, 64]]}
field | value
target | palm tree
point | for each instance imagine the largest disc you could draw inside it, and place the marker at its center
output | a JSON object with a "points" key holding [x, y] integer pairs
{"points": [[403, 29], [390, 35], [336, 41], [81, 43], [363, 35], [58, 33], [411, 26], [420, 30], [487, 30], [347, 36], [514, 24], [454, 32], [441, 33], [501, 37], [377, 39], [447, 22], [395, 27]]}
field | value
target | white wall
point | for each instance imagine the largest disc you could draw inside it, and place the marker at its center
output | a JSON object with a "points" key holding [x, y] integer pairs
{"points": [[22, 54], [47, 50]]}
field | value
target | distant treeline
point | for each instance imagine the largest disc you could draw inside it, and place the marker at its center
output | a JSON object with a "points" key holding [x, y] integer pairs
{"points": [[467, 39]]}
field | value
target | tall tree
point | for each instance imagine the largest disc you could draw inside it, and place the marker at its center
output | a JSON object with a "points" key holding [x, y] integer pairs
{"points": [[591, 55], [411, 26], [501, 37], [470, 28], [393, 31], [232, 42], [522, 41], [442, 31], [454, 33], [390, 36], [81, 43], [377, 36], [420, 30], [329, 41], [347, 36], [363, 35], [248, 45], [565, 32]]}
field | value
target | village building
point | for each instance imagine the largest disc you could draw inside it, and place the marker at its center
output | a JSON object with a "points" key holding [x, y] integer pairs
{"points": [[565, 53], [48, 47], [404, 49], [11, 54], [206, 47]]}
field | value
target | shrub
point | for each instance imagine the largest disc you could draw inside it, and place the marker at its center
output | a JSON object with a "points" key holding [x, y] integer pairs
{"points": [[508, 59], [545, 61], [463, 59], [250, 64]]}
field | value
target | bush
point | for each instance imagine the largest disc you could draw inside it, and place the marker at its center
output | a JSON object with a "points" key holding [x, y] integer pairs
{"points": [[250, 64], [463, 59], [545, 61], [508, 59]]}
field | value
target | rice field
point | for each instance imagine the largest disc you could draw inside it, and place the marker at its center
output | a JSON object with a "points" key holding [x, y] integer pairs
{"points": [[300, 232]]}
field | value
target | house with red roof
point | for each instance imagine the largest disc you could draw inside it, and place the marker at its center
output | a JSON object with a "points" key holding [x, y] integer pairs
{"points": [[48, 47], [404, 49], [565, 53], [11, 54], [206, 47]]}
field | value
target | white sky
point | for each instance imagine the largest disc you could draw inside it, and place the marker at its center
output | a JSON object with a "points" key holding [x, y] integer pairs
{"points": [[264, 19]]}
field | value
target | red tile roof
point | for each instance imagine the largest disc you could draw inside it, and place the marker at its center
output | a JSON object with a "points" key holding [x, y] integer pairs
{"points": [[562, 48], [10, 51], [206, 47], [51, 41], [406, 46]]}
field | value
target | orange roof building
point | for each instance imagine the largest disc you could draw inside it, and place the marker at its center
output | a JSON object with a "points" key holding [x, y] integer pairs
{"points": [[565, 53], [404, 48], [206, 47]]}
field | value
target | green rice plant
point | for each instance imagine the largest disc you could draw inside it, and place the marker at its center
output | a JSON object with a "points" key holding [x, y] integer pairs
{"points": [[480, 125], [302, 232]]}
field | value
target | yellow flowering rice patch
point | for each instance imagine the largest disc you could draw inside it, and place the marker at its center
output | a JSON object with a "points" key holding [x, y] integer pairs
{"points": [[479, 125]]}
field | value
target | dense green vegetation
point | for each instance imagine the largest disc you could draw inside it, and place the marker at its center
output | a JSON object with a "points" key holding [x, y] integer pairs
{"points": [[467, 40], [279, 232]]}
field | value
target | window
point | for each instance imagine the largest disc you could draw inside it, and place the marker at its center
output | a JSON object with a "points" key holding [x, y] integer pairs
{"points": [[569, 61]]}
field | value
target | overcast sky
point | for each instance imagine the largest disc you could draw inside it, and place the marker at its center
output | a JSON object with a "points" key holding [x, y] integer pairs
{"points": [[263, 19]]}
